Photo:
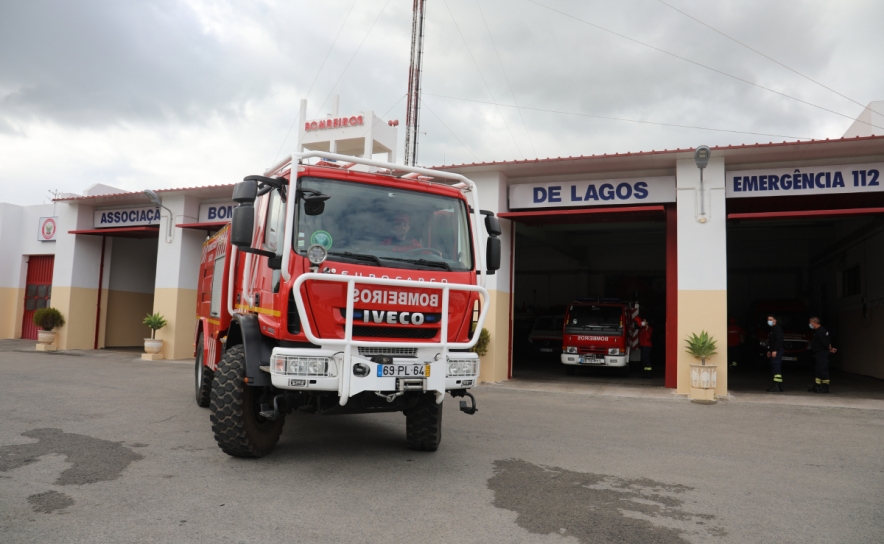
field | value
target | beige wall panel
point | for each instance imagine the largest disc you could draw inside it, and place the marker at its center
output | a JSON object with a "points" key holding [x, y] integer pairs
{"points": [[77, 305], [102, 322], [861, 342], [11, 308], [702, 311], [125, 313], [495, 363], [178, 306]]}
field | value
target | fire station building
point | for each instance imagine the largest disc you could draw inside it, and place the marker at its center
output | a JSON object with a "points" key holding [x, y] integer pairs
{"points": [[793, 228]]}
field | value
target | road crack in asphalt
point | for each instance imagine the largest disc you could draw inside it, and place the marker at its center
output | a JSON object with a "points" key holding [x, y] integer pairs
{"points": [[596, 507], [92, 460]]}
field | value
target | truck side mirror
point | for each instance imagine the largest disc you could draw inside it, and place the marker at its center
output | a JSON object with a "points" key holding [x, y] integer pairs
{"points": [[492, 225], [492, 254], [242, 226], [245, 191]]}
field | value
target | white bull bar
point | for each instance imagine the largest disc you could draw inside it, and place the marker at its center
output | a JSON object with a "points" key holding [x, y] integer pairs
{"points": [[346, 372]]}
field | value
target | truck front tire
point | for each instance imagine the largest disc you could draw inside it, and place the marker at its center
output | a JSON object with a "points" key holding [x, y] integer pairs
{"points": [[203, 377], [423, 424], [240, 430]]}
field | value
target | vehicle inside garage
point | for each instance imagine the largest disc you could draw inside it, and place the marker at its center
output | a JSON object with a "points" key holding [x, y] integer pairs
{"points": [[607, 263], [801, 258]]}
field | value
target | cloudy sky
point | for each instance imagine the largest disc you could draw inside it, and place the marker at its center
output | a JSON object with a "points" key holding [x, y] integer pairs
{"points": [[171, 93]]}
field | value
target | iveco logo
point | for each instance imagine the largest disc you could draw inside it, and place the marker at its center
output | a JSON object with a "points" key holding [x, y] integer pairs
{"points": [[392, 318]]}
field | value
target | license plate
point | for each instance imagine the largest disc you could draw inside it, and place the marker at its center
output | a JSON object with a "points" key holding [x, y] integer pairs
{"points": [[546, 350], [590, 360], [790, 358], [403, 371]]}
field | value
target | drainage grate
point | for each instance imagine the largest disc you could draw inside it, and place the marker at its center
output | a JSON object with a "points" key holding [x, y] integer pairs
{"points": [[400, 352]]}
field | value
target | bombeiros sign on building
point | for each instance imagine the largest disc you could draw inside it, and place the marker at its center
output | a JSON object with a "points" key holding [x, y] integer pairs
{"points": [[564, 194], [816, 180], [216, 211]]}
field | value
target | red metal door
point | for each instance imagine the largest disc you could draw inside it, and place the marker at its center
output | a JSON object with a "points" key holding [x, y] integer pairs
{"points": [[38, 291]]}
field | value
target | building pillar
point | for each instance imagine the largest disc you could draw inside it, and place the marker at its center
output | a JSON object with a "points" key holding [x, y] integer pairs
{"points": [[177, 277], [702, 266], [495, 366], [75, 277]]}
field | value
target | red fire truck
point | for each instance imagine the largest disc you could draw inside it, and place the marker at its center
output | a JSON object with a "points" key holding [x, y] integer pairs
{"points": [[342, 286], [599, 332]]}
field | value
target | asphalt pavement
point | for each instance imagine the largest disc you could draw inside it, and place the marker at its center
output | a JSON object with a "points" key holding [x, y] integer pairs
{"points": [[101, 447]]}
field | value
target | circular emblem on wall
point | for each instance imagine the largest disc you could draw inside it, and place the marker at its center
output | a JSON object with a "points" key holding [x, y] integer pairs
{"points": [[47, 228], [322, 238]]}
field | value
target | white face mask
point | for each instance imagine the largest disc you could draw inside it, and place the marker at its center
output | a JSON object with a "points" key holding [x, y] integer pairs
{"points": [[644, 323], [811, 326], [769, 323]]}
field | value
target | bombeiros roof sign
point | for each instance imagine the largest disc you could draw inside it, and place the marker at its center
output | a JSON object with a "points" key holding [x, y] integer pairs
{"points": [[606, 192], [334, 122], [815, 180]]}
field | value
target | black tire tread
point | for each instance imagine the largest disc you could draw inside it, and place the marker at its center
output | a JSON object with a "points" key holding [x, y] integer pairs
{"points": [[423, 424], [236, 431], [204, 393]]}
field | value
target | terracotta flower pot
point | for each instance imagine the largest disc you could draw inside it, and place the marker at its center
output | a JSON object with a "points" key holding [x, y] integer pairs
{"points": [[152, 345]]}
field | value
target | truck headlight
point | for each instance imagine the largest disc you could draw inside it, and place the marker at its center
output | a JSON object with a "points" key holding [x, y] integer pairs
{"points": [[463, 367], [294, 365], [613, 351], [571, 349]]}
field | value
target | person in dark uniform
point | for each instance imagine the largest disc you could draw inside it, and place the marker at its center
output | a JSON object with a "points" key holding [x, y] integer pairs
{"points": [[645, 345], [775, 354], [821, 345]]}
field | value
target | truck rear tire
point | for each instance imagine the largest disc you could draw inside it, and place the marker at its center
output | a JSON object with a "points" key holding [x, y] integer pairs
{"points": [[423, 424], [203, 377], [240, 430]]}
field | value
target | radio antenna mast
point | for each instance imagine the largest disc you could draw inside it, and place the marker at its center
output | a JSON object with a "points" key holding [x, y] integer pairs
{"points": [[414, 83]]}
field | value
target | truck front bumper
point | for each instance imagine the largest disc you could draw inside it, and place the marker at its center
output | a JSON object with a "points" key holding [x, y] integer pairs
{"points": [[298, 369], [617, 361]]}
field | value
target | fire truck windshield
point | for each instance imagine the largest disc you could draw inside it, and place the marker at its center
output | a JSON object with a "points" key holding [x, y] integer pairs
{"points": [[595, 318], [382, 226]]}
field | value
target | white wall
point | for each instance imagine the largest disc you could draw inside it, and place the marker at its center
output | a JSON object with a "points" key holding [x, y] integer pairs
{"points": [[19, 227], [702, 251], [133, 265]]}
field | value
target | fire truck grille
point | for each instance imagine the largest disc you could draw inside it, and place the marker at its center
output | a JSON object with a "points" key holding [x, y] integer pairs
{"points": [[394, 332], [395, 352], [582, 350], [293, 324]]}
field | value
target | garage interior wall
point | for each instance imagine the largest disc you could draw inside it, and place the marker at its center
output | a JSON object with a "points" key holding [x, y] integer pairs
{"points": [[130, 291], [855, 305]]}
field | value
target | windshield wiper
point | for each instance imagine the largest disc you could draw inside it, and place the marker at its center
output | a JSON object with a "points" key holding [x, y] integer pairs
{"points": [[425, 262], [357, 256]]}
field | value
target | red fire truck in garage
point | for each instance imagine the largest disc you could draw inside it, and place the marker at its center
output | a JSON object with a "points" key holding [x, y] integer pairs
{"points": [[342, 286], [599, 333]]}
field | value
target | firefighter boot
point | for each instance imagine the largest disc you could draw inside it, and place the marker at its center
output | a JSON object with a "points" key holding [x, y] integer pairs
{"points": [[824, 387], [815, 388], [777, 386], [647, 373]]}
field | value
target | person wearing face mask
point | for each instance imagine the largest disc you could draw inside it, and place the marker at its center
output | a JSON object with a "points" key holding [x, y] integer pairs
{"points": [[644, 344], [821, 346], [775, 354]]}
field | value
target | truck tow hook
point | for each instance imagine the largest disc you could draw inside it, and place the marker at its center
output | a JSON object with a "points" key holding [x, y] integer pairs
{"points": [[272, 415], [471, 409]]}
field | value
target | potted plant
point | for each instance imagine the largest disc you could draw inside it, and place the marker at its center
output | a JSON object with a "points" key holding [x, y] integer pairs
{"points": [[155, 322], [47, 319], [703, 377], [481, 347]]}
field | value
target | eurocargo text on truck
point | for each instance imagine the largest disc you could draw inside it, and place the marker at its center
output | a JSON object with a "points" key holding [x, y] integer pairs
{"points": [[342, 286]]}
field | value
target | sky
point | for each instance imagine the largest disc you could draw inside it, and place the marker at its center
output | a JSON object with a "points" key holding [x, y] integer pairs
{"points": [[180, 93]]}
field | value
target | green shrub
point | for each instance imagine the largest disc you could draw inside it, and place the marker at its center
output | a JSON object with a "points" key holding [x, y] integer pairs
{"points": [[48, 318], [481, 347], [702, 346], [155, 322]]}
